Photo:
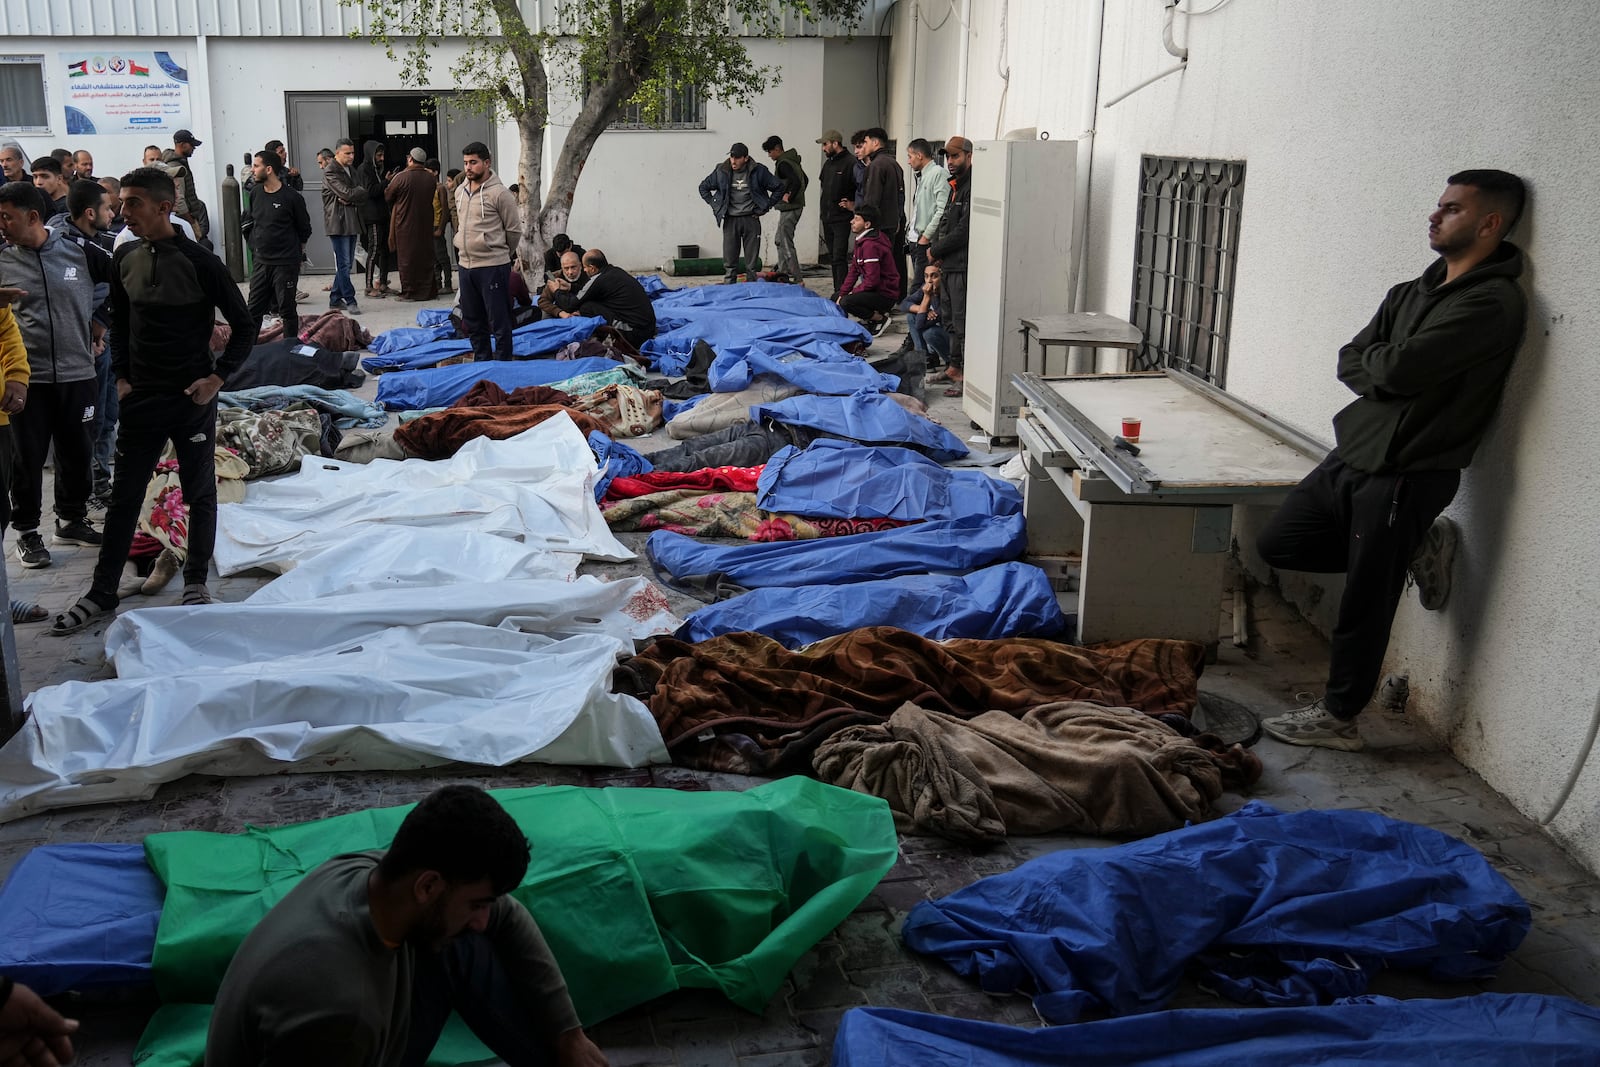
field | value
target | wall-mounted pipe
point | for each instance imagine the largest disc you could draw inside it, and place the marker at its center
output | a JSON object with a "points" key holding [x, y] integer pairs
{"points": [[963, 58], [1577, 765]]}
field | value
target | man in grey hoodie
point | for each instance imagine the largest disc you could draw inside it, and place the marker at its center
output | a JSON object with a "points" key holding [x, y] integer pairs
{"points": [[786, 163], [58, 281]]}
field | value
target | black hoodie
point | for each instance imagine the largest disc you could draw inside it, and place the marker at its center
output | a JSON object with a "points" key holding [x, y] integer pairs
{"points": [[369, 176], [1429, 368]]}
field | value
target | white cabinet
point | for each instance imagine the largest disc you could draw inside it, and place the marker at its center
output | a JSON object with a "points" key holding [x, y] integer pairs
{"points": [[1022, 234]]}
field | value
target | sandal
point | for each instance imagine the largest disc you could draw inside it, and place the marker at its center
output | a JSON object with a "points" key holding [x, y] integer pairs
{"points": [[196, 595], [938, 377], [84, 613], [955, 390], [25, 611]]}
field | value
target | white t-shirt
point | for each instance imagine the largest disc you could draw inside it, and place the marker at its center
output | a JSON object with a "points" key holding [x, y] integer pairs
{"points": [[128, 235]]}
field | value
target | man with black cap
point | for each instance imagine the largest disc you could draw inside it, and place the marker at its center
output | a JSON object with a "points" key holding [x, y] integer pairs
{"points": [[183, 145], [740, 191]]}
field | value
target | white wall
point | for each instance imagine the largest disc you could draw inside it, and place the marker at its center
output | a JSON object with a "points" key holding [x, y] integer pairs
{"points": [[1350, 116], [637, 198]]}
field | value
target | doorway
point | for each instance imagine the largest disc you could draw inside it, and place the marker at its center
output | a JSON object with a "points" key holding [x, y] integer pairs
{"points": [[402, 121]]}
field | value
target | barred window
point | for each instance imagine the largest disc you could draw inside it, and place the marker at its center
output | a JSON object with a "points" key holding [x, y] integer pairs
{"points": [[23, 108], [681, 108], [1187, 247]]}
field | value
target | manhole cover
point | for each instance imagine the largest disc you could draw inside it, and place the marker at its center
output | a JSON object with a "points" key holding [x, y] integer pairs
{"points": [[1230, 720]]}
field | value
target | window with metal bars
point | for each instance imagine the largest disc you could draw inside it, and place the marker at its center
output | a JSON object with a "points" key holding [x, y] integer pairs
{"points": [[1183, 263], [680, 108]]}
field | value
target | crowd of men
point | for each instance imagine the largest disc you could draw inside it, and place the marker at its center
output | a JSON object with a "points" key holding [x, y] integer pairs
{"points": [[869, 233]]}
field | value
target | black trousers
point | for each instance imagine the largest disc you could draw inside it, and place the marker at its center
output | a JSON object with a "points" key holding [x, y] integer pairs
{"points": [[149, 421], [741, 246], [467, 976], [272, 288], [953, 310], [897, 241], [486, 309], [837, 234], [631, 330], [1339, 520], [59, 413], [375, 236], [864, 305]]}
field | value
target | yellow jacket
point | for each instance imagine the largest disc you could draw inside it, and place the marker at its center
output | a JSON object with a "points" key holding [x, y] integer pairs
{"points": [[13, 357]]}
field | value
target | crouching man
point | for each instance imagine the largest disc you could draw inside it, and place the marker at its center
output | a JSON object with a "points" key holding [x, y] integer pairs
{"points": [[362, 963]]}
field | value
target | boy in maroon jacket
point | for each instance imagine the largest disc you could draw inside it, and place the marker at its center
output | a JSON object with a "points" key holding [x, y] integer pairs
{"points": [[873, 284]]}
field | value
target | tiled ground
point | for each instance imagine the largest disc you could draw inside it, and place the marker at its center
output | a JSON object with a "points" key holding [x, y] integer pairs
{"points": [[1401, 774]]}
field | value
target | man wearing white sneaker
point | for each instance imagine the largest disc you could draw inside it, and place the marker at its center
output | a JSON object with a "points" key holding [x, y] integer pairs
{"points": [[1427, 372]]}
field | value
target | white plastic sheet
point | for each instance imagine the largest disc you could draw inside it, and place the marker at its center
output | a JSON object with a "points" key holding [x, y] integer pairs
{"points": [[536, 487], [176, 640], [414, 696], [417, 558]]}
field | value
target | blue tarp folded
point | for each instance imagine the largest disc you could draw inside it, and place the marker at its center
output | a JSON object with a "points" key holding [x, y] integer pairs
{"points": [[535, 339], [1490, 1028], [951, 547], [653, 285], [671, 409], [843, 480], [78, 917], [669, 350], [1007, 600], [433, 316], [439, 387], [870, 418], [1271, 908], [819, 367], [616, 460], [402, 337]]}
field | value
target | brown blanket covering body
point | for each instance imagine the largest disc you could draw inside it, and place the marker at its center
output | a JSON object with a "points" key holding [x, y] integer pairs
{"points": [[742, 702], [1069, 766]]}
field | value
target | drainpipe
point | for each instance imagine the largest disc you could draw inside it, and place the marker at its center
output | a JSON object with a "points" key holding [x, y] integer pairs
{"points": [[1091, 108], [964, 56], [911, 95], [200, 100]]}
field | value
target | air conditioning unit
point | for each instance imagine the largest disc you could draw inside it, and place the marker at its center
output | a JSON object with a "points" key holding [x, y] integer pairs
{"points": [[1021, 236]]}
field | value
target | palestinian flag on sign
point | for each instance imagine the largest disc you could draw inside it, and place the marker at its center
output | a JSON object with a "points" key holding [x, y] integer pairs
{"points": [[80, 69], [135, 69]]}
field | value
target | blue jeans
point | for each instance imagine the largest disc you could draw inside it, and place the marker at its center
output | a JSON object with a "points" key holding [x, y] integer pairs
{"points": [[344, 257], [928, 337]]}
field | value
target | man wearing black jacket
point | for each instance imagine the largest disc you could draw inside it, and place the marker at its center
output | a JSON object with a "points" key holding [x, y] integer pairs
{"points": [[1427, 372], [838, 186], [948, 249], [278, 226], [164, 292], [885, 189], [374, 218], [613, 294]]}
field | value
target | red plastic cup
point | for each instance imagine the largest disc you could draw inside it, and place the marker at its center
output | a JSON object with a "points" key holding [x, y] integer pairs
{"points": [[1130, 430]]}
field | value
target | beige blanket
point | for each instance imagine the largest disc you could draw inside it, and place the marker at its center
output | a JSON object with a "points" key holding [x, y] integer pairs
{"points": [[1070, 766]]}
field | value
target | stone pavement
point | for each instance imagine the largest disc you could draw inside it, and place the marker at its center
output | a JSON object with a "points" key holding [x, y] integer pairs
{"points": [[1402, 774]]}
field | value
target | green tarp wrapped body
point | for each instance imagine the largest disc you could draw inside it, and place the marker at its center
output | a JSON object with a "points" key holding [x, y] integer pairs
{"points": [[638, 891]]}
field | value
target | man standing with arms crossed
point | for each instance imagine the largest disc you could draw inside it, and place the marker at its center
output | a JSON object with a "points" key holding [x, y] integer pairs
{"points": [[486, 243], [1427, 373], [164, 291], [948, 249]]}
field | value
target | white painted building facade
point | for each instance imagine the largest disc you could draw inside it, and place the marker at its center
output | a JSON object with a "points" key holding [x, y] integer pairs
{"points": [[1349, 117], [246, 60]]}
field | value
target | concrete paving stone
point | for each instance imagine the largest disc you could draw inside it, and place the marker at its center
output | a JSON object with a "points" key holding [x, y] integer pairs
{"points": [[773, 1032], [985, 1007], [868, 940], [797, 1058], [900, 897], [824, 1023], [895, 987], [820, 982], [1516, 977], [1577, 971]]}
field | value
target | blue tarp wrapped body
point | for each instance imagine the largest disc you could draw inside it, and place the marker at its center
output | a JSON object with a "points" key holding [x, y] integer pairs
{"points": [[750, 293], [669, 350], [1007, 600], [843, 480], [403, 337], [653, 285], [1273, 908], [616, 460], [440, 387], [79, 917], [433, 316], [1490, 1028], [819, 367], [535, 339], [870, 418], [951, 547]]}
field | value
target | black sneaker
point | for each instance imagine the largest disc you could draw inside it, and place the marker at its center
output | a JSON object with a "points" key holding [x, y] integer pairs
{"points": [[879, 327], [31, 552], [77, 532]]}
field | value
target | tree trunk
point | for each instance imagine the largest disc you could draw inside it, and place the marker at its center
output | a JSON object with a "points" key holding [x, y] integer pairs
{"points": [[530, 179]]}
